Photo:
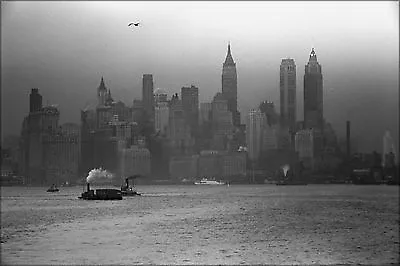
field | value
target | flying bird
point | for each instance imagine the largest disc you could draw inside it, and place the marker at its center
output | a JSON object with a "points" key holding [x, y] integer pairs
{"points": [[134, 24]]}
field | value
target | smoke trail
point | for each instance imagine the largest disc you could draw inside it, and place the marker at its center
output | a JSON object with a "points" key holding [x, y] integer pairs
{"points": [[99, 174], [285, 168]]}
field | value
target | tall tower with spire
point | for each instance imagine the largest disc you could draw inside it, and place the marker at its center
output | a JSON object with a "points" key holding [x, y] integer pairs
{"points": [[313, 94], [102, 93], [229, 85]]}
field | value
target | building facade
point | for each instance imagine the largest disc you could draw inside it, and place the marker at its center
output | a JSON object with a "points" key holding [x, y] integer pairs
{"points": [[254, 133], [181, 142], [61, 157], [205, 113], [233, 165], [304, 146], [135, 160], [222, 122], [190, 104], [181, 167], [161, 117], [269, 137], [222, 165], [147, 95]]}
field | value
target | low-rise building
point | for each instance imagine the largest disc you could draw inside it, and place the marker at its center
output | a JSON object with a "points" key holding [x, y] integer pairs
{"points": [[233, 164], [135, 160], [183, 167]]}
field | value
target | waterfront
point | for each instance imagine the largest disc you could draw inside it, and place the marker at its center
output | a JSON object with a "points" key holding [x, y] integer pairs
{"points": [[243, 224]]}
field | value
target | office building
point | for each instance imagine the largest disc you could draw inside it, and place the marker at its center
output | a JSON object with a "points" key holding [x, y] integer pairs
{"points": [[190, 104], [313, 94], [229, 86], [147, 95], [254, 132], [287, 86]]}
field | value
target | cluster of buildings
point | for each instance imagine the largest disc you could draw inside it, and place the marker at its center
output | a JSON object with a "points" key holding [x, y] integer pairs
{"points": [[312, 142], [175, 137], [48, 152]]}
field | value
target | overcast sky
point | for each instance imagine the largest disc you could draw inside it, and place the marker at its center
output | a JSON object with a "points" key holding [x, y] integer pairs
{"points": [[63, 48]]}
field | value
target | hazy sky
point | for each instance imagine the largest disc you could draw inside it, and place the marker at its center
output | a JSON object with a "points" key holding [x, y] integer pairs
{"points": [[63, 48]]}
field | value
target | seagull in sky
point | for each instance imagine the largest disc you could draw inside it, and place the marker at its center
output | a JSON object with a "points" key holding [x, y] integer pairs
{"points": [[134, 24]]}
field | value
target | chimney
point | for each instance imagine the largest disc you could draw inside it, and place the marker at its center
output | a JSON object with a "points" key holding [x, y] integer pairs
{"points": [[348, 138]]}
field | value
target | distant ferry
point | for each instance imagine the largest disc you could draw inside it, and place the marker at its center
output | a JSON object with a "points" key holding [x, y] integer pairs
{"points": [[205, 181]]}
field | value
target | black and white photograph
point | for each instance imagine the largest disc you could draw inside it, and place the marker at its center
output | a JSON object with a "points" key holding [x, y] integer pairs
{"points": [[199, 133]]}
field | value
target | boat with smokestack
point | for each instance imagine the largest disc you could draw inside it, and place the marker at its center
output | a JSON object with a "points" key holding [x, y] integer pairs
{"points": [[53, 188], [103, 193], [288, 177], [130, 190]]}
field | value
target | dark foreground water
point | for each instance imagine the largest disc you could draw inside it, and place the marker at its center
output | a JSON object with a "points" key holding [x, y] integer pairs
{"points": [[243, 224]]}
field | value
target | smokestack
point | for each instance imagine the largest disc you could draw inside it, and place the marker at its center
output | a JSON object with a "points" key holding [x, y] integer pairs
{"points": [[348, 138], [88, 187]]}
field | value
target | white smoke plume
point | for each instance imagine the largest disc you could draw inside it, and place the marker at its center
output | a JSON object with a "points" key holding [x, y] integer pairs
{"points": [[285, 169], [99, 174]]}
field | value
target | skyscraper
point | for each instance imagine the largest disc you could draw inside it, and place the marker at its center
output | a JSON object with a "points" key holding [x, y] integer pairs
{"points": [[287, 86], [222, 124], [101, 93], [147, 95], [35, 101], [229, 85], [190, 104], [268, 108], [161, 111], [178, 130], [161, 117], [313, 97], [254, 130]]}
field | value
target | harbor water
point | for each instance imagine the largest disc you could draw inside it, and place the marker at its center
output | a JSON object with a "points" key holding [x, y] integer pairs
{"points": [[237, 224]]}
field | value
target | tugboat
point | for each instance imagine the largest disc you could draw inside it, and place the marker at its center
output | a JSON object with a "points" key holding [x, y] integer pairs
{"points": [[127, 190], [288, 178], [101, 194], [53, 188]]}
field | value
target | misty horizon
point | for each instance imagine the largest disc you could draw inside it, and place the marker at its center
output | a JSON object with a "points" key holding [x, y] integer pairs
{"points": [[66, 60]]}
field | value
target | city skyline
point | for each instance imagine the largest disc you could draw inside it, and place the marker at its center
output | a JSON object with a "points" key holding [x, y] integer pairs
{"points": [[258, 69]]}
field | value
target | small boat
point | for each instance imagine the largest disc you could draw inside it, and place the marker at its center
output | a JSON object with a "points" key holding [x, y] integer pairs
{"points": [[129, 190], [205, 181], [53, 188]]}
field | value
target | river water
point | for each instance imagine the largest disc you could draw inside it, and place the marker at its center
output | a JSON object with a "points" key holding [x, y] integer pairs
{"points": [[239, 224]]}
